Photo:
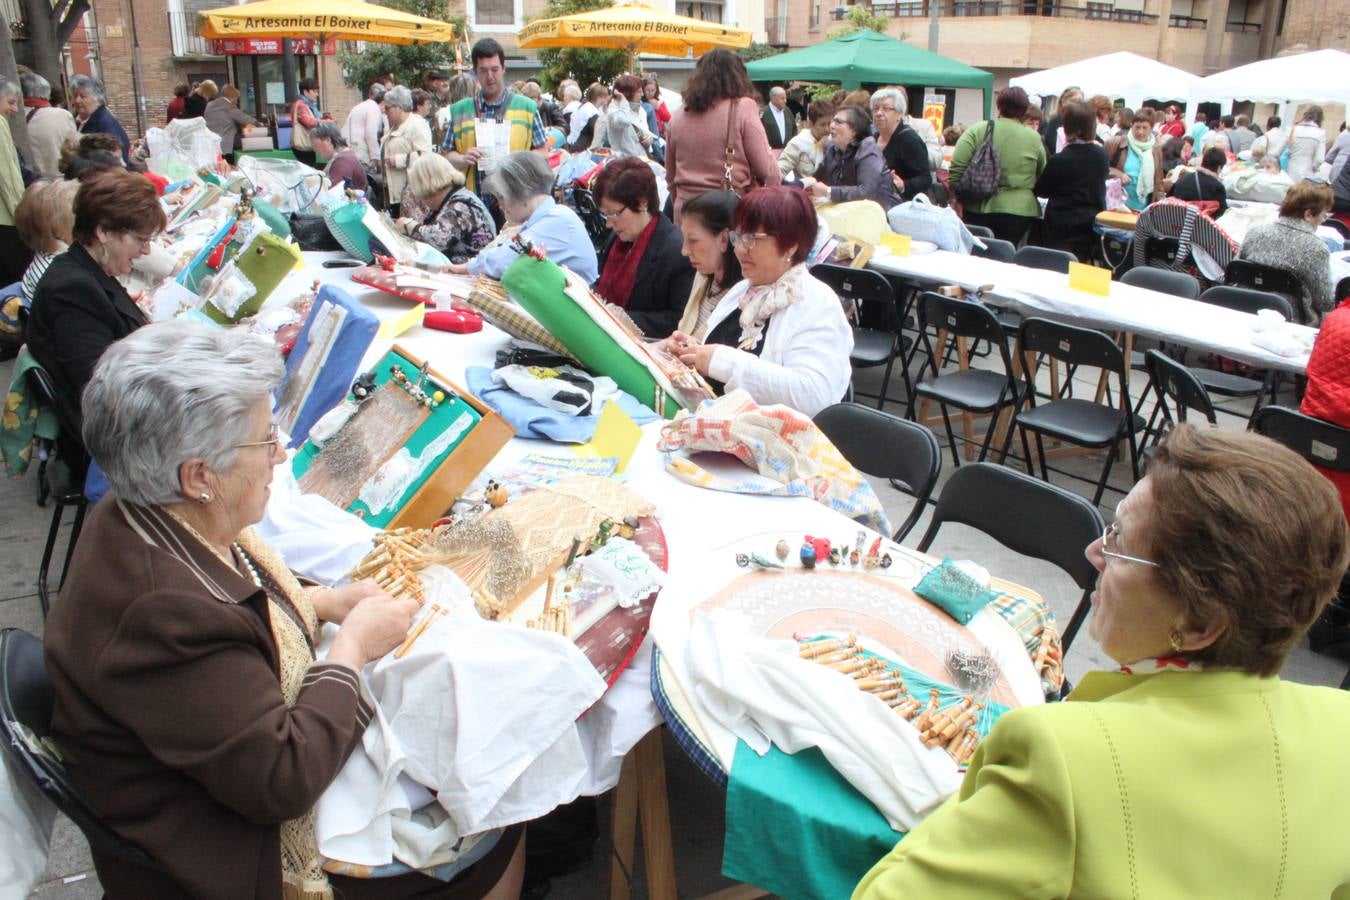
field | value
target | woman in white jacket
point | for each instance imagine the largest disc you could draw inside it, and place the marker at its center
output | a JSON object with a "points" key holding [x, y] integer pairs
{"points": [[1307, 145], [779, 334]]}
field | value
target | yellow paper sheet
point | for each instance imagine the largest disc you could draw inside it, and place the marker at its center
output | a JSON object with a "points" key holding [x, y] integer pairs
{"points": [[392, 328], [615, 435], [1090, 279], [899, 243]]}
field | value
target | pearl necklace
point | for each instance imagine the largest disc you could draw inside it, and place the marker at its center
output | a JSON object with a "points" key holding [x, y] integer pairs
{"points": [[238, 550], [248, 564]]}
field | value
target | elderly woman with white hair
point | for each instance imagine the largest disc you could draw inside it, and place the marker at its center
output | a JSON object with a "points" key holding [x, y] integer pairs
{"points": [[408, 137], [904, 150], [187, 697], [523, 184], [14, 254], [437, 208], [88, 100], [49, 127]]}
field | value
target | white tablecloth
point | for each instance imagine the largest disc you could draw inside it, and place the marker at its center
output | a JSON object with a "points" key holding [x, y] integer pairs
{"points": [[1036, 292]]}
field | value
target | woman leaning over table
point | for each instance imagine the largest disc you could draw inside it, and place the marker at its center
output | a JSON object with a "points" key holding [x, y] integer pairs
{"points": [[188, 701], [1192, 770], [523, 184], [853, 167], [1291, 243], [905, 152], [1013, 207], [407, 138], [779, 334], [439, 210], [641, 268], [707, 245], [343, 168], [1137, 160], [806, 150], [79, 306]]}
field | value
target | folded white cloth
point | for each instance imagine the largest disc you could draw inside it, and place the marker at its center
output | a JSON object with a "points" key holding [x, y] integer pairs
{"points": [[760, 690], [482, 713]]}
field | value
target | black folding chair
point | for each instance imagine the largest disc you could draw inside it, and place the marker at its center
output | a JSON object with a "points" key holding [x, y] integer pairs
{"points": [[995, 249], [877, 339], [1084, 423], [1171, 381], [26, 727], [1164, 281], [884, 445], [1258, 277], [1027, 516], [1230, 384], [980, 231], [1044, 258], [1326, 445], [583, 201], [62, 478], [970, 390]]}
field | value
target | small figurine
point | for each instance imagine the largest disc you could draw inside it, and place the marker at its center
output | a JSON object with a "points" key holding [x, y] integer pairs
{"points": [[364, 386], [808, 555], [820, 545], [885, 560], [834, 556], [861, 542], [853, 557], [602, 534], [781, 550], [743, 560], [495, 495], [628, 528]]}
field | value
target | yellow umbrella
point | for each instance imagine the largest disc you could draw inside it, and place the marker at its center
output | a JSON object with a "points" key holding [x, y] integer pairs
{"points": [[343, 20], [634, 27]]}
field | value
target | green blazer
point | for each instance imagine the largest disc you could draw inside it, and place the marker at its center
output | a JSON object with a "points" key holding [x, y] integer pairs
{"points": [[1173, 785], [1021, 157]]}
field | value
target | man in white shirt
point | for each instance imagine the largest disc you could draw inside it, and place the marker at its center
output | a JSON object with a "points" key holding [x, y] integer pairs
{"points": [[779, 124], [362, 128]]}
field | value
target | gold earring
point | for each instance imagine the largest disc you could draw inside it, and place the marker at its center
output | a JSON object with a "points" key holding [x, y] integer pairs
{"points": [[203, 498], [1174, 638]]}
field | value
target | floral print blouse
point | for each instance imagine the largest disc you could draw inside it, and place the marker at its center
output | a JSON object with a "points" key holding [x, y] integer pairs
{"points": [[459, 228]]}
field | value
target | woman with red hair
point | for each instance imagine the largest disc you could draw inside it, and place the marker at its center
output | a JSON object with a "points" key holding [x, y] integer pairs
{"points": [[779, 334]]}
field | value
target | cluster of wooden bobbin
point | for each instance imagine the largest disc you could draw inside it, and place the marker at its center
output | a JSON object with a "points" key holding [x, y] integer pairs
{"points": [[952, 727], [394, 562]]}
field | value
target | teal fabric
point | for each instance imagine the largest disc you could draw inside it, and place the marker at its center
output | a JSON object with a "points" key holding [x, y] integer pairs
{"points": [[1132, 166], [797, 828], [954, 592]]}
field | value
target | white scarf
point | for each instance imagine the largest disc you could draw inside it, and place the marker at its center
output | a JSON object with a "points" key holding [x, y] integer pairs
{"points": [[760, 302]]}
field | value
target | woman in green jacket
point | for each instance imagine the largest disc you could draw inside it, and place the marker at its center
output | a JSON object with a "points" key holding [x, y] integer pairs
{"points": [[1192, 770], [1013, 207]]}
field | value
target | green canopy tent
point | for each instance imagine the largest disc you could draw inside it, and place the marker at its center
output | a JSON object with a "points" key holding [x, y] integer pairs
{"points": [[865, 57]]}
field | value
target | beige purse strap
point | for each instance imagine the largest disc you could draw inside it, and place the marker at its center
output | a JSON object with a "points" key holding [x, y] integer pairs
{"points": [[729, 153]]}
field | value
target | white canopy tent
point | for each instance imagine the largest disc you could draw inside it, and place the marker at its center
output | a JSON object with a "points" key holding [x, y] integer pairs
{"points": [[1124, 75], [1320, 76]]}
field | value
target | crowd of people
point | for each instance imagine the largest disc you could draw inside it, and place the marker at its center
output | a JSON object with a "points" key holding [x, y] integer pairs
{"points": [[1215, 565]]}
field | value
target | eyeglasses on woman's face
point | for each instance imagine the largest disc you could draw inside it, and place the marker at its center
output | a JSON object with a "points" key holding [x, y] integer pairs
{"points": [[273, 440], [746, 239], [1110, 539]]}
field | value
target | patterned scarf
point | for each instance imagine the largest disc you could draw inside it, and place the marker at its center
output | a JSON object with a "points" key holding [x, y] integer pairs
{"points": [[1161, 664], [1143, 185], [621, 266], [760, 302]]}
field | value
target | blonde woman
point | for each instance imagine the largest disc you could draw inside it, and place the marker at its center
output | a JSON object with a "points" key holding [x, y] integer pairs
{"points": [[438, 209]]}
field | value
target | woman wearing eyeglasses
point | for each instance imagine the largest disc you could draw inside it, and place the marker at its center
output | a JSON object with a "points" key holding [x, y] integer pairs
{"points": [[1192, 770], [779, 334], [641, 268], [853, 167], [79, 306], [905, 152], [188, 700]]}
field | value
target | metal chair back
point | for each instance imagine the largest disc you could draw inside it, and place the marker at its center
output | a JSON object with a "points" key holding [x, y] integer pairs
{"points": [[1044, 258], [1164, 281]]}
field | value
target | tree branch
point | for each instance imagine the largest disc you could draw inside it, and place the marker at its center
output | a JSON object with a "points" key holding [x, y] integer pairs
{"points": [[71, 20], [57, 8]]}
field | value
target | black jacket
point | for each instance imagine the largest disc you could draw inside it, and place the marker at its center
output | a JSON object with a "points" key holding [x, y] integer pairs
{"points": [[664, 281], [907, 156], [1074, 181], [78, 312], [1200, 185]]}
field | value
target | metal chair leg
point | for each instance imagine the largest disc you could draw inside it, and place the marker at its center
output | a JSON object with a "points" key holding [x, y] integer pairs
{"points": [[46, 562], [951, 436]]}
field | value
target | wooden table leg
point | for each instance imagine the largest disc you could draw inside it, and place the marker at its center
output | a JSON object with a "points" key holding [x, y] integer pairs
{"points": [[640, 799]]}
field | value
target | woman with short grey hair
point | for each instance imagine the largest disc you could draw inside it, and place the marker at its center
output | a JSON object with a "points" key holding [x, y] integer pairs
{"points": [[523, 185], [344, 167], [181, 650], [14, 254], [902, 148], [89, 102], [408, 137]]}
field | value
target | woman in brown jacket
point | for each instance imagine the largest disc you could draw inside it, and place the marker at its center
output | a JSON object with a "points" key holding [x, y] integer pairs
{"points": [[188, 703]]}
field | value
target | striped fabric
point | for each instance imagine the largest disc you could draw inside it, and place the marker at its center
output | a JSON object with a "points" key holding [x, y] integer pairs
{"points": [[489, 298]]}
